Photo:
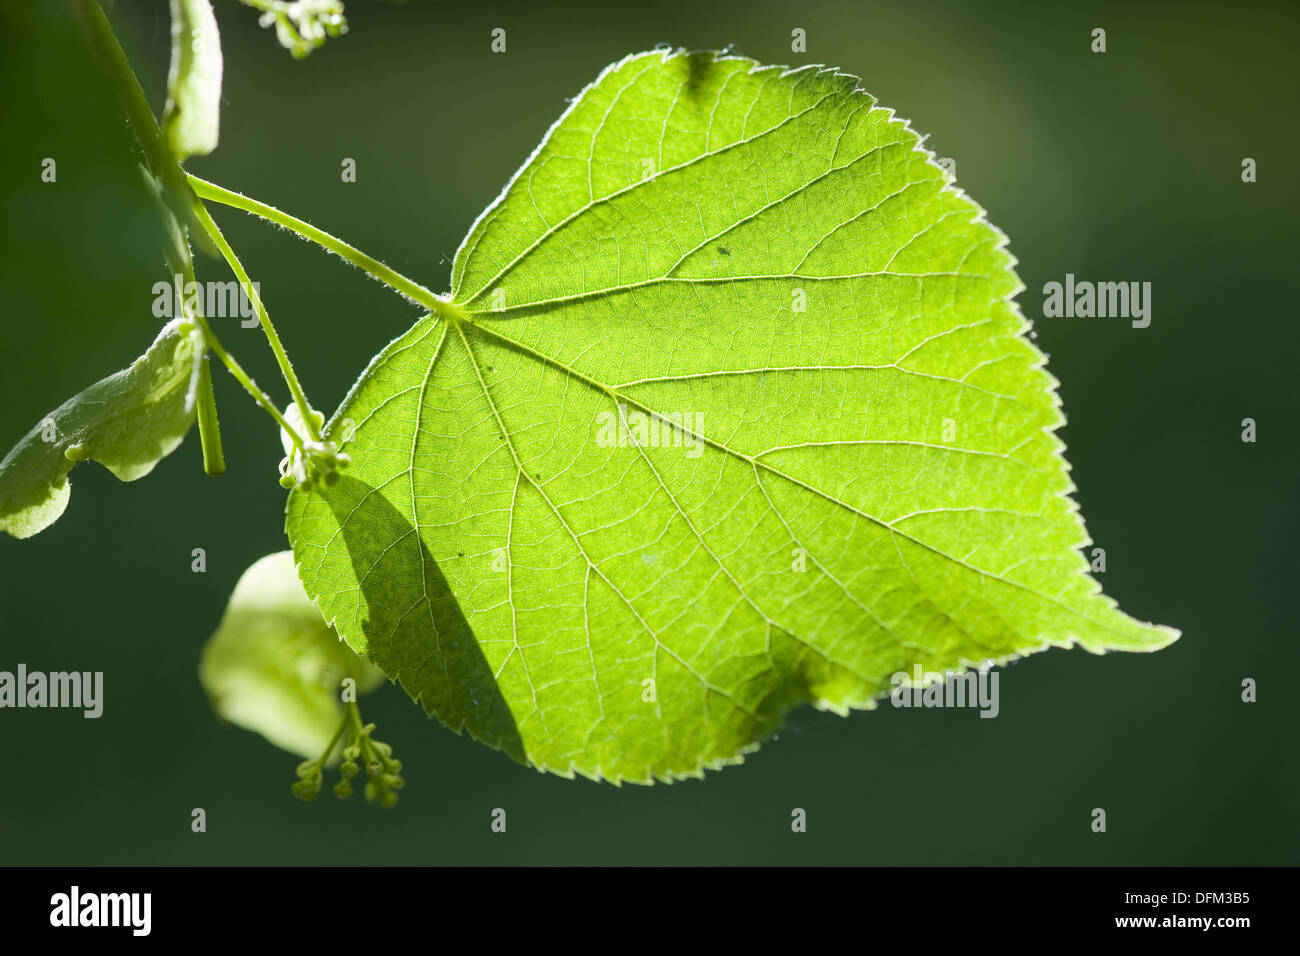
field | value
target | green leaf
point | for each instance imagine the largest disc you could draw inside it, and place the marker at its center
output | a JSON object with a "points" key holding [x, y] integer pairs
{"points": [[191, 119], [275, 667], [865, 480], [127, 422]]}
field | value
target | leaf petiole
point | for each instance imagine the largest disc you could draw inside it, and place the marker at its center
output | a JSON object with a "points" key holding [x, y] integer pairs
{"points": [[390, 277]]}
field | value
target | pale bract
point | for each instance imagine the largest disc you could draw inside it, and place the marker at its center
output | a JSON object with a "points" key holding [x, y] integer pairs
{"points": [[737, 414], [192, 117], [275, 667], [127, 422]]}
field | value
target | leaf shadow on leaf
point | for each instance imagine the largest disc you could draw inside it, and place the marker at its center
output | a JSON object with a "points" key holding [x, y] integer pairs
{"points": [[384, 548]]}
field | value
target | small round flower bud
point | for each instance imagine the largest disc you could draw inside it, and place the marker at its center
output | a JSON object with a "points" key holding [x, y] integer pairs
{"points": [[304, 790]]}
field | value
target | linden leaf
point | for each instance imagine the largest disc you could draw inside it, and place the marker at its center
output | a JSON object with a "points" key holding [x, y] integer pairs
{"points": [[127, 422], [737, 414], [275, 667], [191, 118]]}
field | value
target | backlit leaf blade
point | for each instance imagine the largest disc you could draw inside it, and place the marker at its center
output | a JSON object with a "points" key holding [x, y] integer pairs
{"points": [[127, 422], [864, 477]]}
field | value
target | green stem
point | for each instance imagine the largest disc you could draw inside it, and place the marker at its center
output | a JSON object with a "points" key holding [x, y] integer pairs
{"points": [[235, 369], [243, 379], [368, 264], [282, 359], [131, 94], [352, 715], [214, 462], [338, 735], [132, 97], [164, 165]]}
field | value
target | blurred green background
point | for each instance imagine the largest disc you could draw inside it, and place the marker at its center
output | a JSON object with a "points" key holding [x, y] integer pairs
{"points": [[1121, 166]]}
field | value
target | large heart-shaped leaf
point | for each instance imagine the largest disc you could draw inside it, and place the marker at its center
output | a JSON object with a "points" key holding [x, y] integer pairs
{"points": [[736, 413]]}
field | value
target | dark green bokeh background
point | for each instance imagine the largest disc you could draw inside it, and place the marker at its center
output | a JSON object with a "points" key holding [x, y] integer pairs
{"points": [[1122, 166]]}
